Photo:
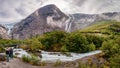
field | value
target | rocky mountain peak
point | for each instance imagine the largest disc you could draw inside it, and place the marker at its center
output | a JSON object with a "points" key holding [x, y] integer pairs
{"points": [[49, 18], [45, 19]]}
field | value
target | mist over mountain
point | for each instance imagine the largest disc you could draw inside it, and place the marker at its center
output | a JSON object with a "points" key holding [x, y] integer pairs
{"points": [[16, 10]]}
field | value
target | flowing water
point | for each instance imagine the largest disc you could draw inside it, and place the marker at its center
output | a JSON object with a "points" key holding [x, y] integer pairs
{"points": [[54, 56]]}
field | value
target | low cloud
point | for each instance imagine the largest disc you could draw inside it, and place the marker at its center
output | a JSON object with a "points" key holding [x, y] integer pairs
{"points": [[15, 10]]}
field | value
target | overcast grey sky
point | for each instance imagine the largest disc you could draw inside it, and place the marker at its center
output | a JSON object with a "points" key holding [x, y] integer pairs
{"points": [[15, 10]]}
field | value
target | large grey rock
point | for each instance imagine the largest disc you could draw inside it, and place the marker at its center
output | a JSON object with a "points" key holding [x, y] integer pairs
{"points": [[2, 57]]}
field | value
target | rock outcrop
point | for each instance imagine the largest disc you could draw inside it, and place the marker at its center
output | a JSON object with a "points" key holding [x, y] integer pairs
{"points": [[3, 32], [2, 57]]}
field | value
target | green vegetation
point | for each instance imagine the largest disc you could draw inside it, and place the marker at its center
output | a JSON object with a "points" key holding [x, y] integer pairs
{"points": [[63, 42], [104, 35], [85, 40], [82, 65], [58, 63], [33, 60], [115, 61], [25, 58], [8, 43], [2, 49]]}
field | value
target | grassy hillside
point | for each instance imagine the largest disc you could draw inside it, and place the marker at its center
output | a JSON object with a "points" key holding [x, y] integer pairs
{"points": [[103, 27]]}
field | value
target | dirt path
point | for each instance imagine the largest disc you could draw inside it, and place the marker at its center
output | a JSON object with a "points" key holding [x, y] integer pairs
{"points": [[16, 63]]}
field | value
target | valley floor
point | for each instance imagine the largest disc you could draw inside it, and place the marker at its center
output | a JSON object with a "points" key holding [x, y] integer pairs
{"points": [[16, 63]]}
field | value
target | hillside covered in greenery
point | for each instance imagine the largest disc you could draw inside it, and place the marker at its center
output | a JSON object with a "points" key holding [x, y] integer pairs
{"points": [[104, 35]]}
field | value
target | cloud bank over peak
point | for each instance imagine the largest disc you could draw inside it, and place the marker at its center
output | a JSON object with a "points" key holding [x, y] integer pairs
{"points": [[15, 10]]}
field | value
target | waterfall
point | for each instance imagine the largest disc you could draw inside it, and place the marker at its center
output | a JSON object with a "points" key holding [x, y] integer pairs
{"points": [[69, 23], [9, 27]]}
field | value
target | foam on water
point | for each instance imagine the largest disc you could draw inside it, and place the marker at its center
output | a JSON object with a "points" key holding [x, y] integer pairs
{"points": [[54, 56]]}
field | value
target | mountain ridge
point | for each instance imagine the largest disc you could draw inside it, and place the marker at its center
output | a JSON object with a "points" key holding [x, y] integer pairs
{"points": [[50, 18]]}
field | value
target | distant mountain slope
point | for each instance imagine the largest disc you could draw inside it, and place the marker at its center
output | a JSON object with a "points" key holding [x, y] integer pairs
{"points": [[50, 18], [3, 32], [84, 20]]}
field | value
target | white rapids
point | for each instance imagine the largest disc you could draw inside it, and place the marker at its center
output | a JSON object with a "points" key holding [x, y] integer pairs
{"points": [[46, 56], [54, 56]]}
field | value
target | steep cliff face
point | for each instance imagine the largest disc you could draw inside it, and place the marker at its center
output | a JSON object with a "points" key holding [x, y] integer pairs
{"points": [[50, 18], [3, 32], [45, 19]]}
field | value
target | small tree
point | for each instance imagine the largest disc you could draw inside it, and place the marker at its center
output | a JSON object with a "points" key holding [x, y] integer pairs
{"points": [[64, 48], [115, 61], [92, 47]]}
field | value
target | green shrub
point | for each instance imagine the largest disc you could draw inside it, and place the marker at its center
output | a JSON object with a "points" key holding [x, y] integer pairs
{"points": [[64, 49], [67, 54], [1, 49], [96, 40], [43, 63], [33, 60], [76, 42], [81, 65], [110, 48], [26, 58], [58, 63], [92, 47], [115, 61]]}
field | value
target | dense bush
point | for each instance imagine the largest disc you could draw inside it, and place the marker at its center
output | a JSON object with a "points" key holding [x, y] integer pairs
{"points": [[76, 42], [1, 49], [95, 39], [64, 42], [58, 63], [92, 47], [115, 61], [31, 59], [110, 48], [53, 40], [26, 58], [7, 43], [34, 60]]}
